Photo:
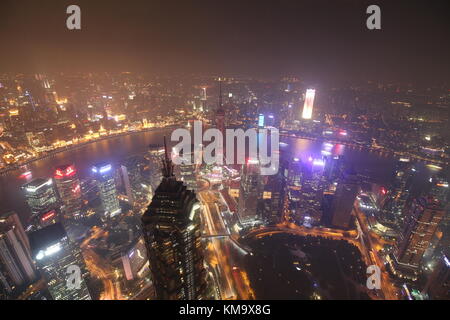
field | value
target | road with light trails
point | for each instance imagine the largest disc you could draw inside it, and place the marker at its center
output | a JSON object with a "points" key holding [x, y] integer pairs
{"points": [[100, 268], [373, 244], [222, 254], [103, 271]]}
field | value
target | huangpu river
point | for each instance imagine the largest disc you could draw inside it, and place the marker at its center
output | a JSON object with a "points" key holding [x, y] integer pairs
{"points": [[115, 149]]}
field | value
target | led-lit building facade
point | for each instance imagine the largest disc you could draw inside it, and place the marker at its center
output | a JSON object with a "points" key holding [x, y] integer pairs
{"points": [[104, 175], [135, 260], [69, 190], [53, 254], [42, 200], [171, 227], [309, 103]]}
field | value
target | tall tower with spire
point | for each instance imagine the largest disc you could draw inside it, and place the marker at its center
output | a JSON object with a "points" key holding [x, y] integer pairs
{"points": [[171, 227], [220, 116]]}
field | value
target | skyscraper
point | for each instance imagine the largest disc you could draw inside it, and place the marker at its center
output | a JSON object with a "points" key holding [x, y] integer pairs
{"points": [[309, 103], [69, 190], [58, 258], [399, 192], [155, 158], [203, 99], [135, 260], [16, 265], [250, 193], [104, 174], [132, 178], [440, 190], [171, 228], [42, 200], [187, 169], [334, 168], [441, 240], [438, 284], [274, 195], [344, 198], [295, 173], [420, 226], [220, 120]]}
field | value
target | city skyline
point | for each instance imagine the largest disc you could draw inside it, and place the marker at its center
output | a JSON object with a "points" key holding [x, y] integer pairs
{"points": [[207, 151]]}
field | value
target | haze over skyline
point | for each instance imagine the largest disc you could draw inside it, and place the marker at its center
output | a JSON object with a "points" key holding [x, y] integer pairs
{"points": [[318, 40]]}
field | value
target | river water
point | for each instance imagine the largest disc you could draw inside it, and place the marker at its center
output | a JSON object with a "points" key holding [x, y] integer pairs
{"points": [[115, 149]]}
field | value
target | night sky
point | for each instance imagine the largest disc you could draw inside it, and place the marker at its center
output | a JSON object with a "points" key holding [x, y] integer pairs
{"points": [[313, 39]]}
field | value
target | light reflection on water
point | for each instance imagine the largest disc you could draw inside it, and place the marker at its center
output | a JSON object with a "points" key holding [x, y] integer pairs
{"points": [[115, 149]]}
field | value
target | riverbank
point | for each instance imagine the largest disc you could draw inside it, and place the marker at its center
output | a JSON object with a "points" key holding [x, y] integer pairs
{"points": [[15, 167]]}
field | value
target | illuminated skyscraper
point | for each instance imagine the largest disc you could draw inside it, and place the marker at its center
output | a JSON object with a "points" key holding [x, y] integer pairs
{"points": [[53, 254], [261, 120], [272, 203], [104, 174], [156, 158], [16, 265], [344, 198], [171, 228], [440, 190], [399, 191], [334, 168], [309, 103], [42, 200], [220, 120], [295, 173], [132, 178], [420, 226], [438, 284], [135, 260], [313, 183], [186, 171], [203, 98], [69, 190], [250, 193], [441, 241]]}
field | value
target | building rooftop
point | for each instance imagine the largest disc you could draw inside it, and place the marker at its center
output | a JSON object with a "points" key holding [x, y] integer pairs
{"points": [[46, 237]]}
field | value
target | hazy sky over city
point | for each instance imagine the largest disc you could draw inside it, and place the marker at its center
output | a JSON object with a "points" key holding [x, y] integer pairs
{"points": [[315, 39]]}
